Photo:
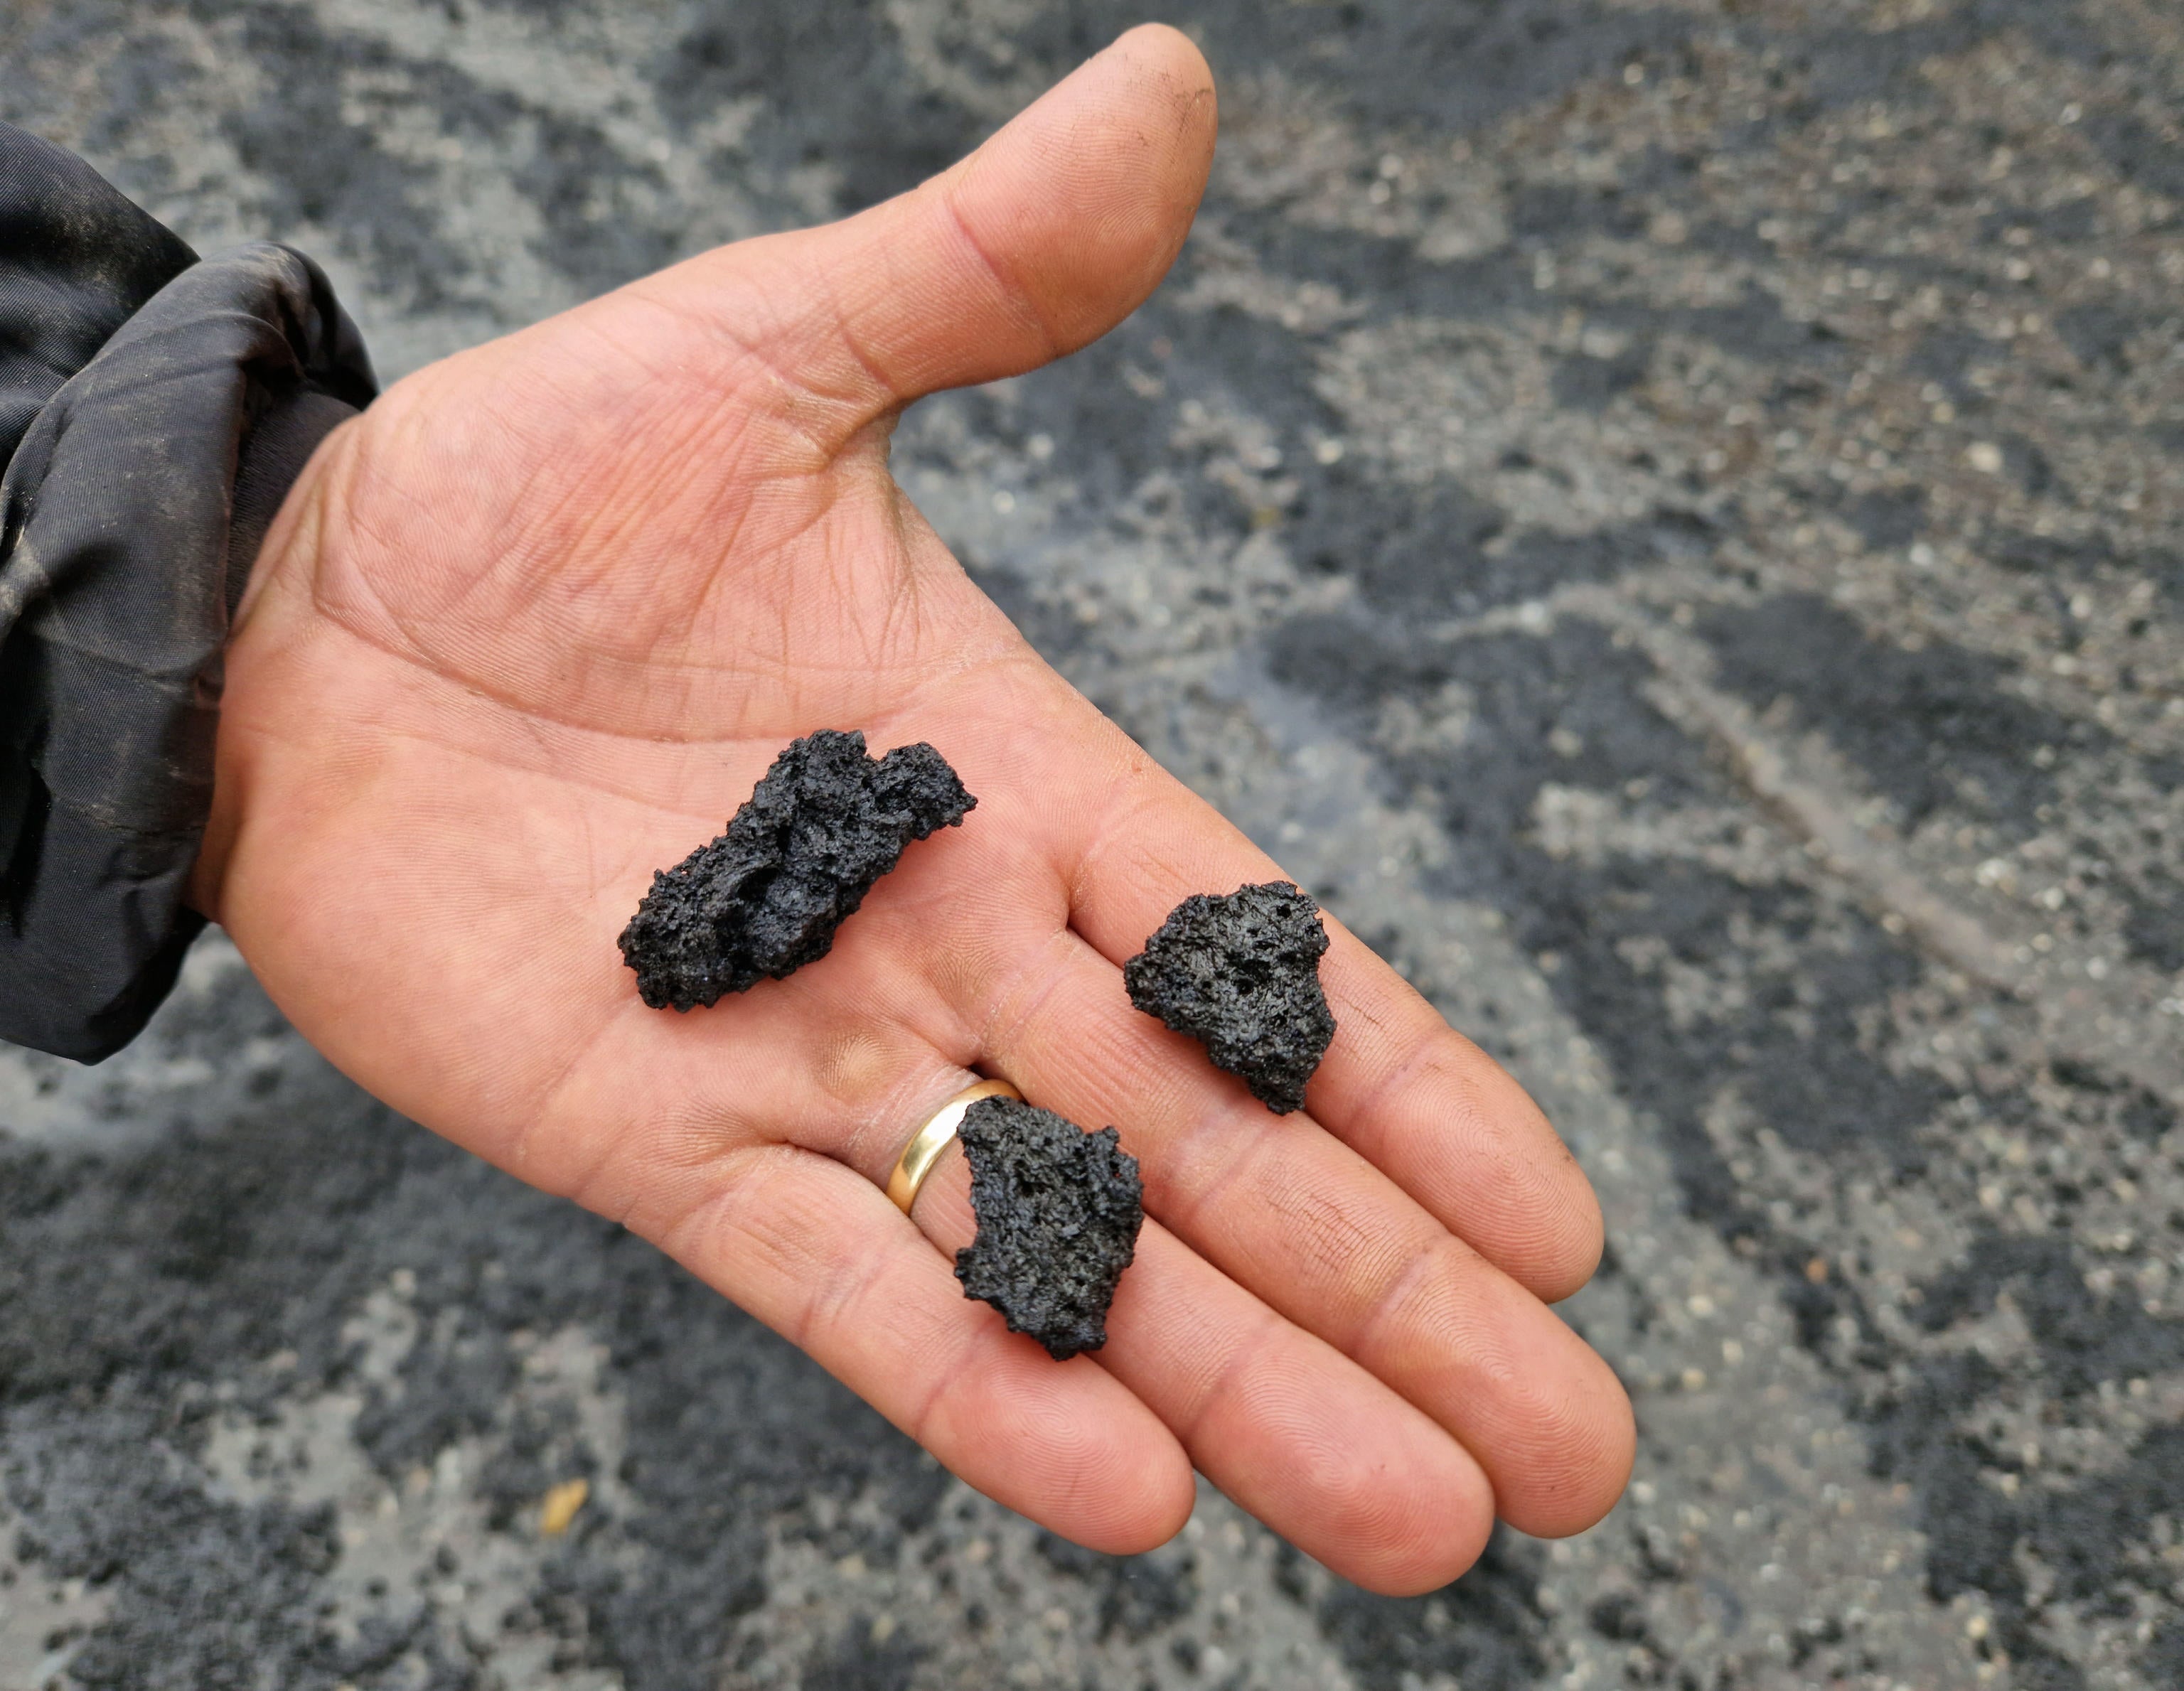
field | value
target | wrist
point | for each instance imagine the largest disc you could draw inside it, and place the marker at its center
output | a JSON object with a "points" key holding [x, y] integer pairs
{"points": [[289, 534]]}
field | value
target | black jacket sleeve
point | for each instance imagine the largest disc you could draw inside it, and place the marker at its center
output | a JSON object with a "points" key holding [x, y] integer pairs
{"points": [[154, 409]]}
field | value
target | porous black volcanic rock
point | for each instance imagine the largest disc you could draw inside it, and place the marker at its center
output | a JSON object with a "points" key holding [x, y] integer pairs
{"points": [[764, 899], [1058, 1211], [1240, 974]]}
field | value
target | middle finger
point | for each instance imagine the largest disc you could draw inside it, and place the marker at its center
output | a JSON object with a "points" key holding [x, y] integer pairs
{"points": [[1297, 1217], [1290, 1429]]}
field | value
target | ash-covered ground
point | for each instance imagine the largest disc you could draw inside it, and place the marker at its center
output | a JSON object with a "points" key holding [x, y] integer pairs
{"points": [[1663, 514]]}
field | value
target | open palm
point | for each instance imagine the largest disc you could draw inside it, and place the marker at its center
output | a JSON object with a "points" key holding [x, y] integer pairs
{"points": [[530, 628]]}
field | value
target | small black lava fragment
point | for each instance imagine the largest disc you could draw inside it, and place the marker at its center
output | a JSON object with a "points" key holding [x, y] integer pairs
{"points": [[764, 899], [1240, 975], [1058, 1211]]}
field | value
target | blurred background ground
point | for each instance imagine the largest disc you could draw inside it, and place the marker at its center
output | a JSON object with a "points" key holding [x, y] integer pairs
{"points": [[1663, 512]]}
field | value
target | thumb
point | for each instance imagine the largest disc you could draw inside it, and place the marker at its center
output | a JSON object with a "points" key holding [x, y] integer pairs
{"points": [[1040, 242]]}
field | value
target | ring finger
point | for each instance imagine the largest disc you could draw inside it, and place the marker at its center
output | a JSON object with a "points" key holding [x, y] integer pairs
{"points": [[1289, 1429]]}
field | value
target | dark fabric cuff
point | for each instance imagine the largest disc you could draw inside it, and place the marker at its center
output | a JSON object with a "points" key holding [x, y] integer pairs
{"points": [[154, 410]]}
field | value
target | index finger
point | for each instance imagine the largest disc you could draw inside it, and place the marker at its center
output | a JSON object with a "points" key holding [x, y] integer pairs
{"points": [[1398, 1085]]}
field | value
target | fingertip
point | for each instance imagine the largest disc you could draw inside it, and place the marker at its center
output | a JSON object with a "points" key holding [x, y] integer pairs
{"points": [[1127, 1487], [1580, 1240], [1405, 1533], [1431, 1562], [1574, 1489], [1179, 77], [1559, 1228], [1169, 1492], [1083, 202], [1067, 1445]]}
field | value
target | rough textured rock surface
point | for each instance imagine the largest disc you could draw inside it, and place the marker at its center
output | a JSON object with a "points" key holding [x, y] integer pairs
{"points": [[764, 899], [1058, 1211], [1240, 974]]}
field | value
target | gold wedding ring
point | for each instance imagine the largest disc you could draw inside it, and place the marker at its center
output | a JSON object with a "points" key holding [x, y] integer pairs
{"points": [[929, 1141]]}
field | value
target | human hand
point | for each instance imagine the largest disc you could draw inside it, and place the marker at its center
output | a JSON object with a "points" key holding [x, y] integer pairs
{"points": [[532, 626]]}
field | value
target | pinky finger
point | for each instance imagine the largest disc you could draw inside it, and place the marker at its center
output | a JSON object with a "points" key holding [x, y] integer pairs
{"points": [[817, 1253]]}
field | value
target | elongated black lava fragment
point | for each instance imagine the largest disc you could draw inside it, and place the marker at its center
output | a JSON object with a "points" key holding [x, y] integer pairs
{"points": [[1059, 1211], [1240, 975], [764, 899]]}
